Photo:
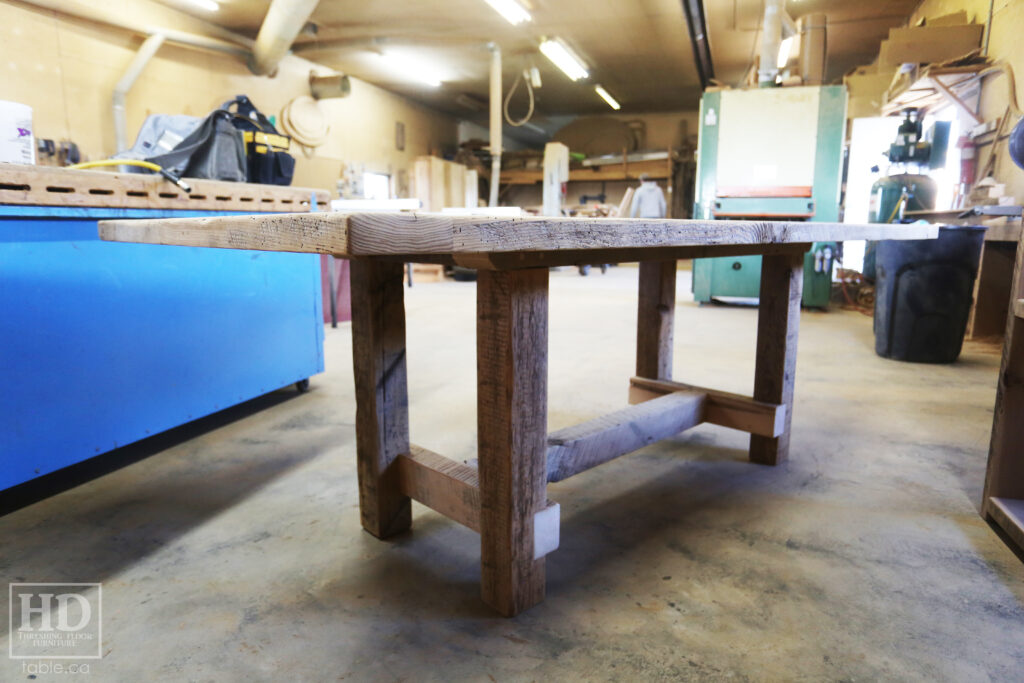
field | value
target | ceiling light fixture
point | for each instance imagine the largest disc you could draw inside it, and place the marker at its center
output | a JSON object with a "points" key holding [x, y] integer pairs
{"points": [[411, 70], [208, 5], [784, 47], [513, 12], [606, 96], [562, 57]]}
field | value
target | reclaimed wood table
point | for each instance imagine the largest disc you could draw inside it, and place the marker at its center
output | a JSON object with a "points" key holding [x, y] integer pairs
{"points": [[1003, 498], [504, 498]]}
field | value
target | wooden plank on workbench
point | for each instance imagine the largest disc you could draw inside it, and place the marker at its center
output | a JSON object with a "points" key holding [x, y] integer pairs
{"points": [[50, 186], [722, 408], [449, 487], [578, 448]]}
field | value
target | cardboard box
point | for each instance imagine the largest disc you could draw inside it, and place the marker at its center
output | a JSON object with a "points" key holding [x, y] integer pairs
{"points": [[866, 91], [928, 44], [953, 19]]}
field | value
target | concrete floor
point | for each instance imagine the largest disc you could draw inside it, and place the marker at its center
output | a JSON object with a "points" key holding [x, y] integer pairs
{"points": [[236, 553]]}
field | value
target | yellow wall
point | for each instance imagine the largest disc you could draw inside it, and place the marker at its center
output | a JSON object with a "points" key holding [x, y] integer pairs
{"points": [[665, 129], [65, 69], [1006, 43]]}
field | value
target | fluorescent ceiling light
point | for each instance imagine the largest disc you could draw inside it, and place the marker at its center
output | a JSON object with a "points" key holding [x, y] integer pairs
{"points": [[511, 10], [208, 5], [606, 96], [412, 70], [784, 48], [562, 57]]}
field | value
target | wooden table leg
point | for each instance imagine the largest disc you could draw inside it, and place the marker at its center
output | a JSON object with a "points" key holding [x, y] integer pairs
{"points": [[512, 347], [1003, 499], [778, 320], [655, 318], [382, 401]]}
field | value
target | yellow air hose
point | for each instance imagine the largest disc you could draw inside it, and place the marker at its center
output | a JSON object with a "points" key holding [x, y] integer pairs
{"points": [[185, 187]]}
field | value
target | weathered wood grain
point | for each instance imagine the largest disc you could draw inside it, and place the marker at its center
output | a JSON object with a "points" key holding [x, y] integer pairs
{"points": [[449, 487], [778, 320], [578, 448], [1004, 477], [318, 233], [409, 234], [382, 402], [721, 407], [512, 343], [412, 233], [655, 318]]}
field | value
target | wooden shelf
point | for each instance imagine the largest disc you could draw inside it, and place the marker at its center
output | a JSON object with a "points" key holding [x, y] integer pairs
{"points": [[928, 86], [658, 169]]}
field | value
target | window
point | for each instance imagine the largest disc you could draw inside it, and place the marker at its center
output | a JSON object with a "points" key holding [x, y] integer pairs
{"points": [[376, 186]]}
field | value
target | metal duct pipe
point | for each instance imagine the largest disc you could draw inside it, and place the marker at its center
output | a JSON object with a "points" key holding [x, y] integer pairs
{"points": [[771, 38], [777, 25], [696, 24], [226, 41], [330, 86], [281, 26], [812, 49], [131, 74], [495, 124]]}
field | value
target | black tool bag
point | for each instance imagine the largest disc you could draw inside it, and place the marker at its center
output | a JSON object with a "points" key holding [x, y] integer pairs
{"points": [[215, 150], [266, 150], [239, 145]]}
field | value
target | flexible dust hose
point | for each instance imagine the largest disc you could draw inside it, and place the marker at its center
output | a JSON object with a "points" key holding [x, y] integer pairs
{"points": [[508, 98], [185, 187]]}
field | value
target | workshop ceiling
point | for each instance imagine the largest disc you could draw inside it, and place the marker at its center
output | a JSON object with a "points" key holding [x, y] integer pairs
{"points": [[638, 50]]}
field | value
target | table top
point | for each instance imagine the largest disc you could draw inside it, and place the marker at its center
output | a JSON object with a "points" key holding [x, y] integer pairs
{"points": [[493, 242]]}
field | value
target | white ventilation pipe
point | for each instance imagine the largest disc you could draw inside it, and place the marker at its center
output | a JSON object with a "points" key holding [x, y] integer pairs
{"points": [[495, 124], [216, 38], [131, 74], [281, 26], [777, 25], [812, 49]]}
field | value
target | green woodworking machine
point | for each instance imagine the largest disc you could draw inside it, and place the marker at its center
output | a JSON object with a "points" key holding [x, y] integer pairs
{"points": [[770, 154]]}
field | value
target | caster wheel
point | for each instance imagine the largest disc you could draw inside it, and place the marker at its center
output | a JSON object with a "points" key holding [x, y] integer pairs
{"points": [[302, 386], [604, 268], [584, 270]]}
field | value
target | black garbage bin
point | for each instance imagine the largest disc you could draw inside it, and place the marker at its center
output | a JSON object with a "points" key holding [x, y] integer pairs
{"points": [[924, 290]]}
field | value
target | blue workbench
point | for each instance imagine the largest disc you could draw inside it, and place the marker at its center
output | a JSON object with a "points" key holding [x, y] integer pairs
{"points": [[103, 344]]}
